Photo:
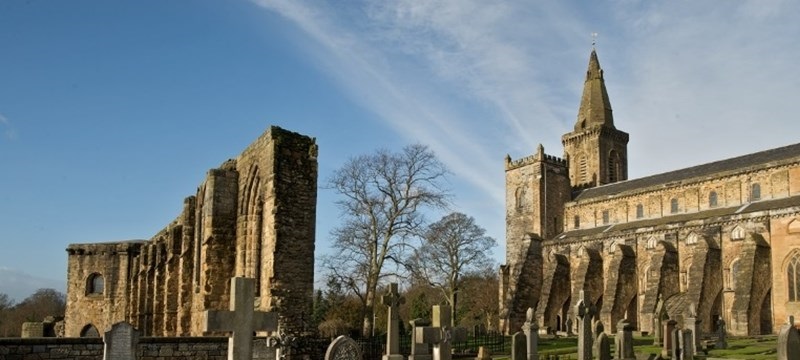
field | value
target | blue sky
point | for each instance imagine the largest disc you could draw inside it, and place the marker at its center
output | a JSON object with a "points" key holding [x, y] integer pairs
{"points": [[112, 112]]}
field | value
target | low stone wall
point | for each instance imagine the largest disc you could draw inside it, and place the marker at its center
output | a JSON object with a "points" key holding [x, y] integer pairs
{"points": [[149, 348]]}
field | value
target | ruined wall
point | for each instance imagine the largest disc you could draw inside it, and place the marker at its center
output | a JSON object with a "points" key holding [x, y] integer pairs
{"points": [[253, 216]]}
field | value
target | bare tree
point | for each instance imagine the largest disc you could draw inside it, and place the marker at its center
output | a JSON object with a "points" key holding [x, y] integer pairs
{"points": [[384, 195], [451, 248]]}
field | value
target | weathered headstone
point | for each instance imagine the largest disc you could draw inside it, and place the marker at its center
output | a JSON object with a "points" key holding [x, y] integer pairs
{"points": [[686, 344], [568, 326], [690, 323], [120, 341], [242, 320], [597, 329], [624, 340], [675, 342], [393, 300], [419, 350], [484, 353], [343, 348], [439, 334], [722, 335], [583, 314], [531, 330], [789, 341], [519, 349], [669, 327], [602, 347], [32, 329]]}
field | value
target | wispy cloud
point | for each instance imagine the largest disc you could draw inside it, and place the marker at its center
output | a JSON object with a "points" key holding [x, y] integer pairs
{"points": [[8, 130]]}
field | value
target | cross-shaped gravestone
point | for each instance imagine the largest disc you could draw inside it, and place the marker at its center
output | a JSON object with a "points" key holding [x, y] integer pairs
{"points": [[690, 323], [392, 300], [531, 330], [583, 313], [439, 334], [242, 320]]}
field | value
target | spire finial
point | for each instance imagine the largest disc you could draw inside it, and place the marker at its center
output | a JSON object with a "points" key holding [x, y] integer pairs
{"points": [[594, 39]]}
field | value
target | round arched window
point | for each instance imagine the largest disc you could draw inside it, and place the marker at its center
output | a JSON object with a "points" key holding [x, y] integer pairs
{"points": [[95, 284]]}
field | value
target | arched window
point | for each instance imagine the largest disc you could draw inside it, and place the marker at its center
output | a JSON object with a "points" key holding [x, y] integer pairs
{"points": [[691, 239], [712, 199], [577, 221], [755, 192], [793, 277], [94, 284], [639, 211], [673, 205], [737, 233], [651, 243]]}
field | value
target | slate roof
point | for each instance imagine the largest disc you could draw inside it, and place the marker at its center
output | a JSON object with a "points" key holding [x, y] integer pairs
{"points": [[678, 218], [700, 171]]}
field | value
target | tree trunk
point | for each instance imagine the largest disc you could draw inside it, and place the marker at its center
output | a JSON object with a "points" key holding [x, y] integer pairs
{"points": [[369, 315]]}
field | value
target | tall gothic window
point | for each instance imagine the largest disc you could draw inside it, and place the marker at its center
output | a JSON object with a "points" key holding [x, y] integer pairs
{"points": [[577, 221], [793, 277], [712, 199], [755, 192], [584, 170], [673, 205], [639, 211]]}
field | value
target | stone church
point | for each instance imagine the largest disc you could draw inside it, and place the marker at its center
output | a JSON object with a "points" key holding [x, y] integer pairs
{"points": [[713, 241], [253, 216]]}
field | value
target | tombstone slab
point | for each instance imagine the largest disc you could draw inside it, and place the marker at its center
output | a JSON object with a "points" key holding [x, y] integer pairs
{"points": [[602, 347], [419, 349], [624, 340], [343, 348], [789, 341], [519, 346], [722, 335], [120, 341], [531, 330]]}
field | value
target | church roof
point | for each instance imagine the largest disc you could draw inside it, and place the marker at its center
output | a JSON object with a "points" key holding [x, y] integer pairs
{"points": [[595, 108], [670, 178]]}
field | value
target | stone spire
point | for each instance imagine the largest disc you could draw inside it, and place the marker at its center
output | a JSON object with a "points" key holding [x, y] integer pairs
{"points": [[595, 108]]}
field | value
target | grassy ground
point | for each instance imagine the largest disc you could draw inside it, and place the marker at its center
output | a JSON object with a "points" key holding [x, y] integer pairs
{"points": [[755, 348]]}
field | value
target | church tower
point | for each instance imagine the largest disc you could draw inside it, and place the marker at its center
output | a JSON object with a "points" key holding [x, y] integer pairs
{"points": [[597, 153]]}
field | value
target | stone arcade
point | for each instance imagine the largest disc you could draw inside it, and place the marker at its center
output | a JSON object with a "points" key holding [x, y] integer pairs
{"points": [[254, 216], [724, 236]]}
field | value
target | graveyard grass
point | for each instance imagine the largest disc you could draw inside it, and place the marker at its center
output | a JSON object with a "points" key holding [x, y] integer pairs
{"points": [[755, 348]]}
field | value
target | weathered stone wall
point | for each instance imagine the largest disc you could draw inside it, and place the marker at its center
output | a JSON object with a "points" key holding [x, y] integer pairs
{"points": [[149, 348], [253, 216]]}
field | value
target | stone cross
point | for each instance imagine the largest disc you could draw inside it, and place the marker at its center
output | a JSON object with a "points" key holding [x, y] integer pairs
{"points": [[439, 334], [242, 320], [583, 313], [624, 340], [393, 300], [531, 330], [343, 348], [518, 347], [722, 333], [419, 350], [119, 342], [789, 341]]}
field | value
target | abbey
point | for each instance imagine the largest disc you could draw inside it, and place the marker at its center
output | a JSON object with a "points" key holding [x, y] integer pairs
{"points": [[719, 241], [253, 216]]}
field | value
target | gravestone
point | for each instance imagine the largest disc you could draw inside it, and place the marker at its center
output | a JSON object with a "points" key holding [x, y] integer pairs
{"points": [[519, 347], [419, 350], [393, 300], [343, 348], [120, 341], [624, 340], [32, 329], [242, 320], [691, 322], [484, 353], [669, 327], [583, 314], [722, 335], [439, 334], [602, 347], [597, 329], [568, 326], [789, 341], [686, 344], [675, 341], [531, 330]]}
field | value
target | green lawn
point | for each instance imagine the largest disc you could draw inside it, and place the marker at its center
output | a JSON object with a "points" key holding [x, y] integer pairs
{"points": [[755, 348]]}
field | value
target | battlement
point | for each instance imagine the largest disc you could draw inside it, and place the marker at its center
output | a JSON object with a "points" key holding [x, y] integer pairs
{"points": [[531, 159]]}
